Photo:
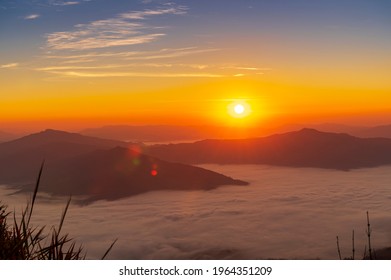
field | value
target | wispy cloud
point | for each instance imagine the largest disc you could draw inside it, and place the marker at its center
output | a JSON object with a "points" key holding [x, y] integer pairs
{"points": [[90, 50], [9, 65], [67, 3], [138, 55], [125, 29], [33, 16], [170, 70], [136, 74], [64, 41], [168, 53], [128, 66], [247, 68], [143, 64], [143, 14]]}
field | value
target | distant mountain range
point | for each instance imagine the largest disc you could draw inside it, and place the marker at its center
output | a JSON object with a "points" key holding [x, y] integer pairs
{"points": [[358, 131], [4, 136], [97, 168], [376, 131], [170, 133], [110, 169], [304, 148], [153, 133], [166, 133]]}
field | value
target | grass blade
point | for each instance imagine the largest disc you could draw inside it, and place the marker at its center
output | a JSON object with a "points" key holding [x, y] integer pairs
{"points": [[109, 249], [35, 191], [63, 215]]}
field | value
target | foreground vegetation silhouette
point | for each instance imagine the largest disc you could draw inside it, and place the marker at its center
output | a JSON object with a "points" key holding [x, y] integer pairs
{"points": [[25, 242], [369, 252]]}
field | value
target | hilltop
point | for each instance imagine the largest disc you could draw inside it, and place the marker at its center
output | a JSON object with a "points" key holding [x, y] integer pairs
{"points": [[303, 148], [96, 168]]}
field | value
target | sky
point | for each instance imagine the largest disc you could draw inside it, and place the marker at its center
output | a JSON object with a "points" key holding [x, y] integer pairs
{"points": [[86, 63]]}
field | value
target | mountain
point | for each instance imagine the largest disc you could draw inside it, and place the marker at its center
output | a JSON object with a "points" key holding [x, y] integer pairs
{"points": [[166, 133], [170, 133], [120, 172], [376, 131], [358, 131], [4, 136], [304, 148], [97, 168], [153, 133], [20, 158], [50, 136]]}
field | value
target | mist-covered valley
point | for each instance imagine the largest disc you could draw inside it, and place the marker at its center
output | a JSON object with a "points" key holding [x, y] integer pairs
{"points": [[285, 213]]}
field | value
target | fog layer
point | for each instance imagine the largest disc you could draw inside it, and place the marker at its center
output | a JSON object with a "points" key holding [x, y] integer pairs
{"points": [[289, 213]]}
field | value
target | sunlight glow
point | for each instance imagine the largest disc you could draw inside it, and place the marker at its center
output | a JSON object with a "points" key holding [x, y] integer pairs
{"points": [[239, 109]]}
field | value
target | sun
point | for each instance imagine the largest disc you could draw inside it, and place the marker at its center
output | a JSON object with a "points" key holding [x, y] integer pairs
{"points": [[239, 109]]}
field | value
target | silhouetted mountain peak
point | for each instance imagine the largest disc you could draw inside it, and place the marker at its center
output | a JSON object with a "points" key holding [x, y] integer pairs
{"points": [[309, 130], [304, 148], [310, 134], [315, 132], [56, 136], [98, 168], [53, 133]]}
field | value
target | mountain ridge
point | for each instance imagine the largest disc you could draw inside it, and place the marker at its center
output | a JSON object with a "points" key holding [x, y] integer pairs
{"points": [[97, 168], [303, 148]]}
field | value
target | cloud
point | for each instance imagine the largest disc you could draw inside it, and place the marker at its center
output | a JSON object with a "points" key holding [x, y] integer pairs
{"points": [[65, 3], [143, 64], [143, 14], [138, 55], [68, 3], [9, 65], [91, 50], [171, 54], [99, 67], [63, 41], [123, 30], [31, 17], [247, 68], [134, 74], [134, 64]]}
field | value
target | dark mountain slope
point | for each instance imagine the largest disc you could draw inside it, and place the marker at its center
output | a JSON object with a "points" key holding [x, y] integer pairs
{"points": [[376, 131], [120, 172], [4, 136], [20, 158], [304, 148], [81, 165]]}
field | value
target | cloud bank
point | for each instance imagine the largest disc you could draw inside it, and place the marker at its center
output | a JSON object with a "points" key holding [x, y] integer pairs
{"points": [[122, 30], [285, 213]]}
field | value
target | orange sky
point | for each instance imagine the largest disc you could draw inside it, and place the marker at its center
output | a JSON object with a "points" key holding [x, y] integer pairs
{"points": [[163, 67]]}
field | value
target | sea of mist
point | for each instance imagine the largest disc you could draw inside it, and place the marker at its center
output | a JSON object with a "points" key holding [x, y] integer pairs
{"points": [[285, 213]]}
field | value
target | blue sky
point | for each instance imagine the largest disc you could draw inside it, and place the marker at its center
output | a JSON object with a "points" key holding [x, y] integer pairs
{"points": [[26, 25]]}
